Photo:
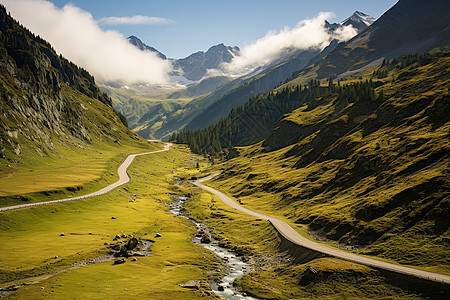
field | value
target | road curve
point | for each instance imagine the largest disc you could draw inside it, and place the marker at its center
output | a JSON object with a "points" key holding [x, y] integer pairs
{"points": [[123, 178], [289, 233]]}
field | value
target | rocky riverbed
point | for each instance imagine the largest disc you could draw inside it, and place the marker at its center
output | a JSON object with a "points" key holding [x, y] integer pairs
{"points": [[234, 265]]}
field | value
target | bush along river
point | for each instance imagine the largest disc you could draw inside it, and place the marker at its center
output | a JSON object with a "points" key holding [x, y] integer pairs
{"points": [[235, 267]]}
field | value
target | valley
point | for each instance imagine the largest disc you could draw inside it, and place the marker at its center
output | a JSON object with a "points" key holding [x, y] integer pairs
{"points": [[311, 162]]}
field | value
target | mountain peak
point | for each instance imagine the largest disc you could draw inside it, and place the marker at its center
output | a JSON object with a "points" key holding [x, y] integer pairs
{"points": [[359, 20], [134, 40]]}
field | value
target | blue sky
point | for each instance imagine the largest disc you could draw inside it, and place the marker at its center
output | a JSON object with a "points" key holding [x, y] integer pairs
{"points": [[197, 25]]}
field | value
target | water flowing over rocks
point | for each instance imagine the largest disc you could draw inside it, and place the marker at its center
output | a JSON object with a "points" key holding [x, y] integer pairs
{"points": [[235, 265]]}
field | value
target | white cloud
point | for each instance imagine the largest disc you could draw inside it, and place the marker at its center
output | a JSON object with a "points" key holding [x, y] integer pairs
{"points": [[134, 20], [307, 34], [75, 34]]}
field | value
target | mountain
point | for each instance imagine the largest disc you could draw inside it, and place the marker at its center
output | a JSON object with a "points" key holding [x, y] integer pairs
{"points": [[139, 44], [47, 102], [410, 26], [363, 164], [216, 96], [359, 21], [273, 75], [195, 66]]}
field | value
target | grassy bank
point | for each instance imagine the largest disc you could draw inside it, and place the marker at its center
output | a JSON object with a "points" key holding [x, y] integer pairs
{"points": [[32, 245]]}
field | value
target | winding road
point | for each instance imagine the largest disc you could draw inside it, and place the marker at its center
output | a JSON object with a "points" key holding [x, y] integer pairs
{"points": [[289, 233], [123, 178]]}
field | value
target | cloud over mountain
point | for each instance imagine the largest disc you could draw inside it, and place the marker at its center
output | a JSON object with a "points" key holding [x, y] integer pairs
{"points": [[307, 34], [134, 20], [74, 33]]}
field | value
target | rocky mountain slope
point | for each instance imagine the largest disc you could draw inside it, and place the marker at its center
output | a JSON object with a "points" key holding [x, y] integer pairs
{"points": [[47, 102], [195, 66], [410, 26], [273, 75], [141, 46]]}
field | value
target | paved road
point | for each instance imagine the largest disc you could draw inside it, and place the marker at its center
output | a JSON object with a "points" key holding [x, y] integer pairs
{"points": [[123, 178], [289, 233]]}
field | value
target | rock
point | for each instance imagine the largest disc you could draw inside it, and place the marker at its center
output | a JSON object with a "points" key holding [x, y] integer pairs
{"points": [[90, 233], [220, 288], [115, 247], [206, 238], [117, 236], [134, 259], [123, 251], [158, 235], [56, 256], [106, 244], [132, 243], [63, 234], [124, 236], [119, 261], [113, 218], [191, 284]]}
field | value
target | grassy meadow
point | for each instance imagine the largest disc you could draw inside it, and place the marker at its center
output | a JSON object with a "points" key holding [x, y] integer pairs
{"points": [[32, 245]]}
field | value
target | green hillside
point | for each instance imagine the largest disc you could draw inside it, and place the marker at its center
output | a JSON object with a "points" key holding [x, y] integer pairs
{"points": [[53, 120], [366, 173]]}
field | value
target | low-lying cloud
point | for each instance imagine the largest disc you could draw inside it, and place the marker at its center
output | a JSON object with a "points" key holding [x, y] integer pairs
{"points": [[308, 34], [134, 20], [75, 34]]}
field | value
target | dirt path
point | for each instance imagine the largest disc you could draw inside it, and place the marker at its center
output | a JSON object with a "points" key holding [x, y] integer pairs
{"points": [[123, 178]]}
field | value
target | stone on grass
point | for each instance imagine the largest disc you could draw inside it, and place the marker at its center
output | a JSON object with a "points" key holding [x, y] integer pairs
{"points": [[119, 261], [158, 234], [62, 234], [191, 284], [134, 259], [113, 218]]}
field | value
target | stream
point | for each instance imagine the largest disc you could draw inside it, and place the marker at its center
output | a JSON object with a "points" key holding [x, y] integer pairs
{"points": [[235, 266]]}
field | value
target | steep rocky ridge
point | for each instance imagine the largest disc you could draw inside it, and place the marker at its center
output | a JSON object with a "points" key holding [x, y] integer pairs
{"points": [[47, 101], [410, 26]]}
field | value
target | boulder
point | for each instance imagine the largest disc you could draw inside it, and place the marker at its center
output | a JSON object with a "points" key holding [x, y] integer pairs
{"points": [[191, 284], [113, 218], [134, 259], [132, 243], [119, 261], [206, 238], [220, 288], [124, 236], [158, 235], [115, 247], [62, 234]]}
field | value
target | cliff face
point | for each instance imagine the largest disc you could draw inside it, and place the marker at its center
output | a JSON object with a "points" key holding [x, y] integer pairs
{"points": [[45, 98]]}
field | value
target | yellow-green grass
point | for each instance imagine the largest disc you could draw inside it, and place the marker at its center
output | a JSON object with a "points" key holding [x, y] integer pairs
{"points": [[275, 184], [336, 279], [79, 172], [31, 240], [256, 237], [429, 254]]}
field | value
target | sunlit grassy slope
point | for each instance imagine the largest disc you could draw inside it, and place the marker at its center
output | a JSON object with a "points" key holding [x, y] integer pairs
{"points": [[367, 176], [275, 276], [31, 240]]}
